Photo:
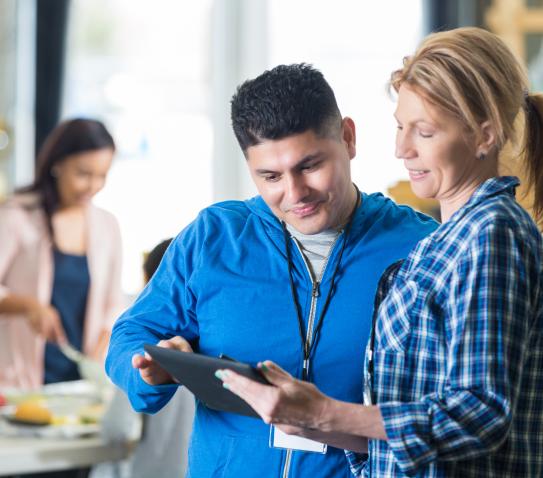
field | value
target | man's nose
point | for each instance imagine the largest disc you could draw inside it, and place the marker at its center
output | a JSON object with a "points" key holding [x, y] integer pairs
{"points": [[297, 189]]}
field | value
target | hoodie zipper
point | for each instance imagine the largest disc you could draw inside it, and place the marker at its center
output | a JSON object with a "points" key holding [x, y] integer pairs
{"points": [[315, 293]]}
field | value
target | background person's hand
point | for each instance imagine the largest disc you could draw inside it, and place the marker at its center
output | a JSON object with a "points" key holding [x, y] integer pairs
{"points": [[150, 371], [293, 405], [46, 321]]}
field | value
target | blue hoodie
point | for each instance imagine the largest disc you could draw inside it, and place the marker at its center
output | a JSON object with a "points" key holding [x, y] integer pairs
{"points": [[223, 285]]}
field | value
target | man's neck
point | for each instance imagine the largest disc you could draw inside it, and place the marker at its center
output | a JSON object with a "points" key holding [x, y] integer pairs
{"points": [[351, 204], [325, 233]]}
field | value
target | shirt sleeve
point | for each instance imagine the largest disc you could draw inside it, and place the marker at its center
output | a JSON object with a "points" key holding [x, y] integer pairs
{"points": [[164, 309], [10, 243], [357, 462], [115, 300], [489, 316]]}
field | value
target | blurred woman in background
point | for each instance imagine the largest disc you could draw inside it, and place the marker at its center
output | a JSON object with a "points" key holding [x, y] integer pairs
{"points": [[60, 260]]}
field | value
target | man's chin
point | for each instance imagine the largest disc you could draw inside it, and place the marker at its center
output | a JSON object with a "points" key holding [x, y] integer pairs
{"points": [[307, 226]]}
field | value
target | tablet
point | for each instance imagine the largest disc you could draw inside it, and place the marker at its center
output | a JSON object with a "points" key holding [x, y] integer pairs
{"points": [[197, 373]]}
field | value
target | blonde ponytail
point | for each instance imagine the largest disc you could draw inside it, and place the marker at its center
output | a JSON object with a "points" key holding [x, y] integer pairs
{"points": [[533, 150]]}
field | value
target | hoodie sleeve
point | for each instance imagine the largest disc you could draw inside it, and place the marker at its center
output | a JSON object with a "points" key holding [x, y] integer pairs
{"points": [[164, 309]]}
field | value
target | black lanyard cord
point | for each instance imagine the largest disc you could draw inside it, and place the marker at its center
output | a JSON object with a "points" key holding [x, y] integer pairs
{"points": [[308, 347], [292, 288], [328, 296]]}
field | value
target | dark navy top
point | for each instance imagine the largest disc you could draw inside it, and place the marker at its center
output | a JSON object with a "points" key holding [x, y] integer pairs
{"points": [[70, 291]]}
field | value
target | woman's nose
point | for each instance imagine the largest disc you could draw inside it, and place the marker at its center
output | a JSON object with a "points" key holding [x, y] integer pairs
{"points": [[404, 146]]}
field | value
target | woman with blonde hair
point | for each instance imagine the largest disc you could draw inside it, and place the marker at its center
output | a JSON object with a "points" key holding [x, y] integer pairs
{"points": [[454, 365]]}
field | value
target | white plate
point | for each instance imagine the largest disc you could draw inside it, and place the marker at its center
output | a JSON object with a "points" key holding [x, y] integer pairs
{"points": [[17, 429], [7, 410]]}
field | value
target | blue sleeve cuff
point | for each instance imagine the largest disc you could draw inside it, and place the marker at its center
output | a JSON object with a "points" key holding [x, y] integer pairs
{"points": [[150, 398]]}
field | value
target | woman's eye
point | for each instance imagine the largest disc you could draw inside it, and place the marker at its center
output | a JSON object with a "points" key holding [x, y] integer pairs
{"points": [[424, 134]]}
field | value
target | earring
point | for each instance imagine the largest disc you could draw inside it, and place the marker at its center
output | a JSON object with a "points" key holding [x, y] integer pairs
{"points": [[481, 157]]}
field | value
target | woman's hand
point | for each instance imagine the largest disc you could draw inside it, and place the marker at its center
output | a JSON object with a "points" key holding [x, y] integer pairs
{"points": [[150, 371], [45, 320], [299, 408], [292, 404]]}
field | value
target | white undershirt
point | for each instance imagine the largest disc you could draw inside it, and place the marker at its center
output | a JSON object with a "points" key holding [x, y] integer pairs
{"points": [[315, 247]]}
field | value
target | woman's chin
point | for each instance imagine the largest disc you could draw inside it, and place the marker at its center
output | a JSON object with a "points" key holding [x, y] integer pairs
{"points": [[421, 191], [82, 201]]}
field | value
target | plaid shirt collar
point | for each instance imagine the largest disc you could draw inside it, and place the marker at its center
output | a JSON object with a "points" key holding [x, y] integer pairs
{"points": [[489, 188]]}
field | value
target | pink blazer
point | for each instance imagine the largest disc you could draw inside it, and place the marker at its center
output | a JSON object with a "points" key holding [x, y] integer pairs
{"points": [[26, 268]]}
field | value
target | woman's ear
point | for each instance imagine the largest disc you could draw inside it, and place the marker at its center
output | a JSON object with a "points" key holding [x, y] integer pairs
{"points": [[488, 139]]}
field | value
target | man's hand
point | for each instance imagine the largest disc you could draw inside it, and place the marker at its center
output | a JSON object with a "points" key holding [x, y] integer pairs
{"points": [[150, 371]]}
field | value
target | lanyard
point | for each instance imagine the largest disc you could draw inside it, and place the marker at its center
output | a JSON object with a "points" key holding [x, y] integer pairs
{"points": [[306, 346]]}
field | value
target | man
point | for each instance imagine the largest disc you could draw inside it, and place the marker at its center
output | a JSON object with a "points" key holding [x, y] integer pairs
{"points": [[289, 275]]}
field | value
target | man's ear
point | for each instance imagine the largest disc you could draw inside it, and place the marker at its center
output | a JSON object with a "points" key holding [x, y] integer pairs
{"points": [[348, 132], [488, 139]]}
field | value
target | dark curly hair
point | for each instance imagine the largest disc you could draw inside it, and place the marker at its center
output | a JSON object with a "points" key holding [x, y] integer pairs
{"points": [[286, 100]]}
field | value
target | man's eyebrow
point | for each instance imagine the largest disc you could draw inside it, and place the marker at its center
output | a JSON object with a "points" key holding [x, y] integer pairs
{"points": [[300, 164], [265, 171], [310, 157]]}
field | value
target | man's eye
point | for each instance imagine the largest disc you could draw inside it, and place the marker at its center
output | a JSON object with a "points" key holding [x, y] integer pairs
{"points": [[309, 167], [425, 134], [271, 179]]}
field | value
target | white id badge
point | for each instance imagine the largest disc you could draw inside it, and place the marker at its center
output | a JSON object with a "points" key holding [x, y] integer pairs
{"points": [[279, 439]]}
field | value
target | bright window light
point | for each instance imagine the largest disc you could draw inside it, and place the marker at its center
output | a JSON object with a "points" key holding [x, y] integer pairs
{"points": [[356, 45], [143, 68]]}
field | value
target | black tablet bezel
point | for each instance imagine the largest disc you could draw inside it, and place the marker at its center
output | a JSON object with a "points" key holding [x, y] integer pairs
{"points": [[197, 372]]}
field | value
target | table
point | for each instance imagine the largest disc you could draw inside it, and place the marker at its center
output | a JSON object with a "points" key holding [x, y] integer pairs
{"points": [[21, 455]]}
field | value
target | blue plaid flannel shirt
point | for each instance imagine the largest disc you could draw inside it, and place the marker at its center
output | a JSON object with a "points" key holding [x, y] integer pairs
{"points": [[458, 353]]}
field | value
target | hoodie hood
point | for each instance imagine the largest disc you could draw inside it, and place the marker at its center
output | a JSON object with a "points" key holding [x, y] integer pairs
{"points": [[258, 206]]}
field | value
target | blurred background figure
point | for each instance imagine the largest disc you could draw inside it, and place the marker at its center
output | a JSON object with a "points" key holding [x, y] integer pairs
{"points": [[60, 260], [153, 258]]}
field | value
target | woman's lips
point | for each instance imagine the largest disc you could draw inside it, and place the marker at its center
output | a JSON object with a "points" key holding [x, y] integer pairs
{"points": [[418, 174]]}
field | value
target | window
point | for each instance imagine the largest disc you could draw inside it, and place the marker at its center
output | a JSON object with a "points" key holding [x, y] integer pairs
{"points": [[142, 68]]}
